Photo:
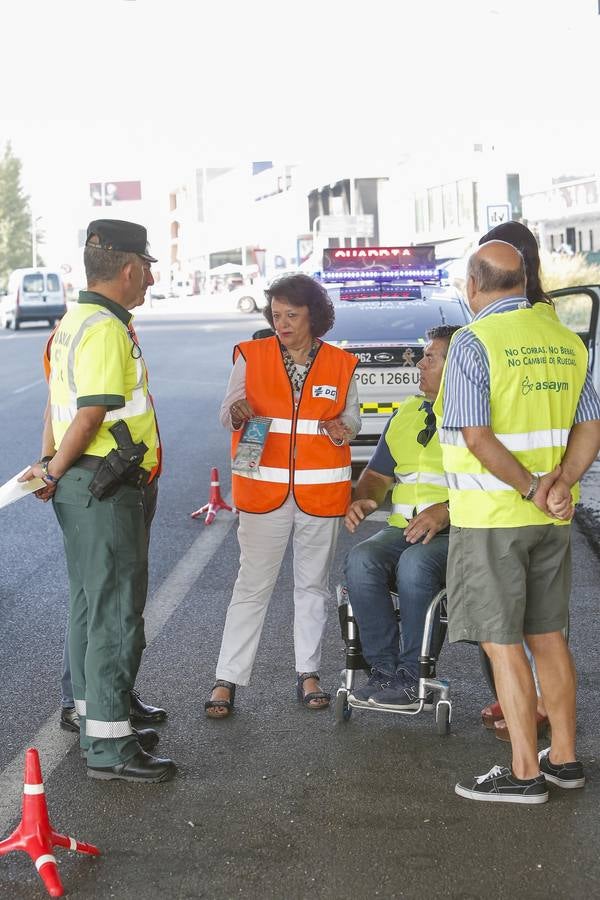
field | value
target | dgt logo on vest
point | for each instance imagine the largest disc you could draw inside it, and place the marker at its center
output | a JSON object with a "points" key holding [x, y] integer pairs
{"points": [[328, 391]]}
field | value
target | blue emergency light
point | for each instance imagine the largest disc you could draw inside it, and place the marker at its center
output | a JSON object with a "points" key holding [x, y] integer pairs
{"points": [[392, 274]]}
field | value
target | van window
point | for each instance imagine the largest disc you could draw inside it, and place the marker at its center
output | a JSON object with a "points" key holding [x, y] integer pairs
{"points": [[33, 284], [575, 311], [52, 282]]}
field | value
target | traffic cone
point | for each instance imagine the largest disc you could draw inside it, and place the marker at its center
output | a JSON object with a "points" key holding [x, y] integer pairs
{"points": [[215, 501], [35, 835]]}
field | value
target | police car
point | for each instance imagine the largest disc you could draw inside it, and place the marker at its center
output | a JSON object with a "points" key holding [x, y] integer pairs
{"points": [[386, 299]]}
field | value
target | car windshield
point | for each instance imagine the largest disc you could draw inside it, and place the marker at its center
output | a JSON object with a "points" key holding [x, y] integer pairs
{"points": [[405, 321]]}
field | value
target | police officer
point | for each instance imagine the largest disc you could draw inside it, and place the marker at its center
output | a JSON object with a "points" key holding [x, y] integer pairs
{"points": [[139, 712], [98, 383]]}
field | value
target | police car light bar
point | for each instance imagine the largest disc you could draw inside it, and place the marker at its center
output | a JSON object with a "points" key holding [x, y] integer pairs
{"points": [[374, 263]]}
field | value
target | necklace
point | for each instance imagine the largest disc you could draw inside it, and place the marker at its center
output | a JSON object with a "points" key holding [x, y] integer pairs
{"points": [[297, 377]]}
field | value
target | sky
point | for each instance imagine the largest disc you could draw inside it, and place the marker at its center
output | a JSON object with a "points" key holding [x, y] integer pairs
{"points": [[147, 88]]}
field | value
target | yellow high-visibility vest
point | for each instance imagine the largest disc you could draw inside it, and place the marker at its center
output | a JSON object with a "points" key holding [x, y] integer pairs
{"points": [[95, 363], [419, 474], [537, 370]]}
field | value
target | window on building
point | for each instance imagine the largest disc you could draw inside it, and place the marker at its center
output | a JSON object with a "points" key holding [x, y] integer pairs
{"points": [[552, 247], [421, 224], [591, 240], [580, 241], [465, 203], [449, 199], [435, 209]]}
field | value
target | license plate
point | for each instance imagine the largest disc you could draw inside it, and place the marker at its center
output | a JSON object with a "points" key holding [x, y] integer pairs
{"points": [[407, 377]]}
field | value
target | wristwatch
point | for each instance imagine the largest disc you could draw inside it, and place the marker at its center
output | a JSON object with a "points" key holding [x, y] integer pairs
{"points": [[535, 483], [46, 474]]}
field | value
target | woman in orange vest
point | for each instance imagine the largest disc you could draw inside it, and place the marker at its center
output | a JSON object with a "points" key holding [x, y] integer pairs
{"points": [[306, 388]]}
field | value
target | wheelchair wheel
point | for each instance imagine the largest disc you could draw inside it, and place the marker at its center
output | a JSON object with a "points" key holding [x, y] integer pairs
{"points": [[443, 714], [342, 710]]}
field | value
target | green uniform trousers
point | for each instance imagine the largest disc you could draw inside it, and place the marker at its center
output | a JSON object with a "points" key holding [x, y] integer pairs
{"points": [[106, 545]]}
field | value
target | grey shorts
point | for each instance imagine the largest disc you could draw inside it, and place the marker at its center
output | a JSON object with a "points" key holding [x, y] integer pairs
{"points": [[506, 582]]}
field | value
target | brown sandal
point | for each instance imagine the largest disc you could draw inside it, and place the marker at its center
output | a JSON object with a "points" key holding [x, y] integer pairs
{"points": [[211, 707]]}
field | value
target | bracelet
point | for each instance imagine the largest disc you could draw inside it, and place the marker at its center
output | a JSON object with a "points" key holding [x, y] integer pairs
{"points": [[46, 476], [535, 483]]}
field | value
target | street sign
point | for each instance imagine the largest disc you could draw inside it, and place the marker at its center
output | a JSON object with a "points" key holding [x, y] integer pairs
{"points": [[498, 214]]}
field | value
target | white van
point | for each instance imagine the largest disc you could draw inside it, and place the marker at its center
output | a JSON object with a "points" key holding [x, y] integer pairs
{"points": [[33, 295]]}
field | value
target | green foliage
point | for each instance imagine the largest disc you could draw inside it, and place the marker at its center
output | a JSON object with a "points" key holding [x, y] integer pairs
{"points": [[560, 271], [15, 217]]}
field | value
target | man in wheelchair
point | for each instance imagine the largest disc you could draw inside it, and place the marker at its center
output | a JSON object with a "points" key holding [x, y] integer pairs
{"points": [[411, 550]]}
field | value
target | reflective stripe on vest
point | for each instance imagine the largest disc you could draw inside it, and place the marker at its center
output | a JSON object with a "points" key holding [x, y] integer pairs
{"points": [[301, 476], [303, 426], [527, 440], [419, 476], [297, 456], [537, 371]]}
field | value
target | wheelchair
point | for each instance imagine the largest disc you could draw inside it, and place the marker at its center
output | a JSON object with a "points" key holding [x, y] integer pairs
{"points": [[433, 639]]}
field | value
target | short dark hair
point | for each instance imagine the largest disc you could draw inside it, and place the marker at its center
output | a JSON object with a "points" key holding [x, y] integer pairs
{"points": [[302, 290], [490, 278], [442, 333], [104, 265]]}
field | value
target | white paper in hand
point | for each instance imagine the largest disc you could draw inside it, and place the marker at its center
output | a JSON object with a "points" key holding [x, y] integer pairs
{"points": [[14, 490]]}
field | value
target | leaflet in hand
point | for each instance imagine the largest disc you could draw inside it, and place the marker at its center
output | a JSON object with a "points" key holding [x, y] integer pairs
{"points": [[251, 445], [14, 489]]}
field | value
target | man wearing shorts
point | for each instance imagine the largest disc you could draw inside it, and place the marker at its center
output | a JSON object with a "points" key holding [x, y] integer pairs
{"points": [[519, 424]]}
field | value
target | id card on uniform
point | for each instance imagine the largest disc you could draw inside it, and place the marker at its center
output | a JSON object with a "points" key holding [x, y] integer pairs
{"points": [[251, 445]]}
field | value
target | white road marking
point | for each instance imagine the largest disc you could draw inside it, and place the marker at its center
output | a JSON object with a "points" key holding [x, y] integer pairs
{"points": [[28, 386], [54, 744]]}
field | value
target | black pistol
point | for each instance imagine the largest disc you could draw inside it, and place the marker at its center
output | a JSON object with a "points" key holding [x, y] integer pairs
{"points": [[120, 466]]}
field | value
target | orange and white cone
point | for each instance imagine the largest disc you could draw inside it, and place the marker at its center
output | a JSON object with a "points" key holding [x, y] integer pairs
{"points": [[215, 501], [35, 835]]}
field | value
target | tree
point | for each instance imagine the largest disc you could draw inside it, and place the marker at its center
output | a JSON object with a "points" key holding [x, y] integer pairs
{"points": [[15, 217]]}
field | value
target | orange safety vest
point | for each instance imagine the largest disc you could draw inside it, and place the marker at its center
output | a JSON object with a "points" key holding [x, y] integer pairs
{"points": [[157, 469], [296, 457]]}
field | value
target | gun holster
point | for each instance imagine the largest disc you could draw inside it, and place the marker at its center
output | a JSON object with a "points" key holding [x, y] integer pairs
{"points": [[120, 466]]}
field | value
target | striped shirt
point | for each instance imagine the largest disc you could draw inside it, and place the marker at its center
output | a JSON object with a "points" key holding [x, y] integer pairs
{"points": [[467, 388]]}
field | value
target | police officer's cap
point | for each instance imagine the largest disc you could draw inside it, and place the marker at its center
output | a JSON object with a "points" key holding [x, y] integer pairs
{"points": [[127, 237]]}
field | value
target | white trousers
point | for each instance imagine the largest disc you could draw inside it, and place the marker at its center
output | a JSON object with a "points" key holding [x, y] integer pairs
{"points": [[263, 540]]}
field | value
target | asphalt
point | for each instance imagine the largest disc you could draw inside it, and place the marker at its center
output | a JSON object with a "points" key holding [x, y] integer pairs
{"points": [[277, 801]]}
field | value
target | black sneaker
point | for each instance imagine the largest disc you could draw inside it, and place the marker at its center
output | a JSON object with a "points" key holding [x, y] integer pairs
{"points": [[377, 682], [565, 775], [499, 785], [401, 694]]}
